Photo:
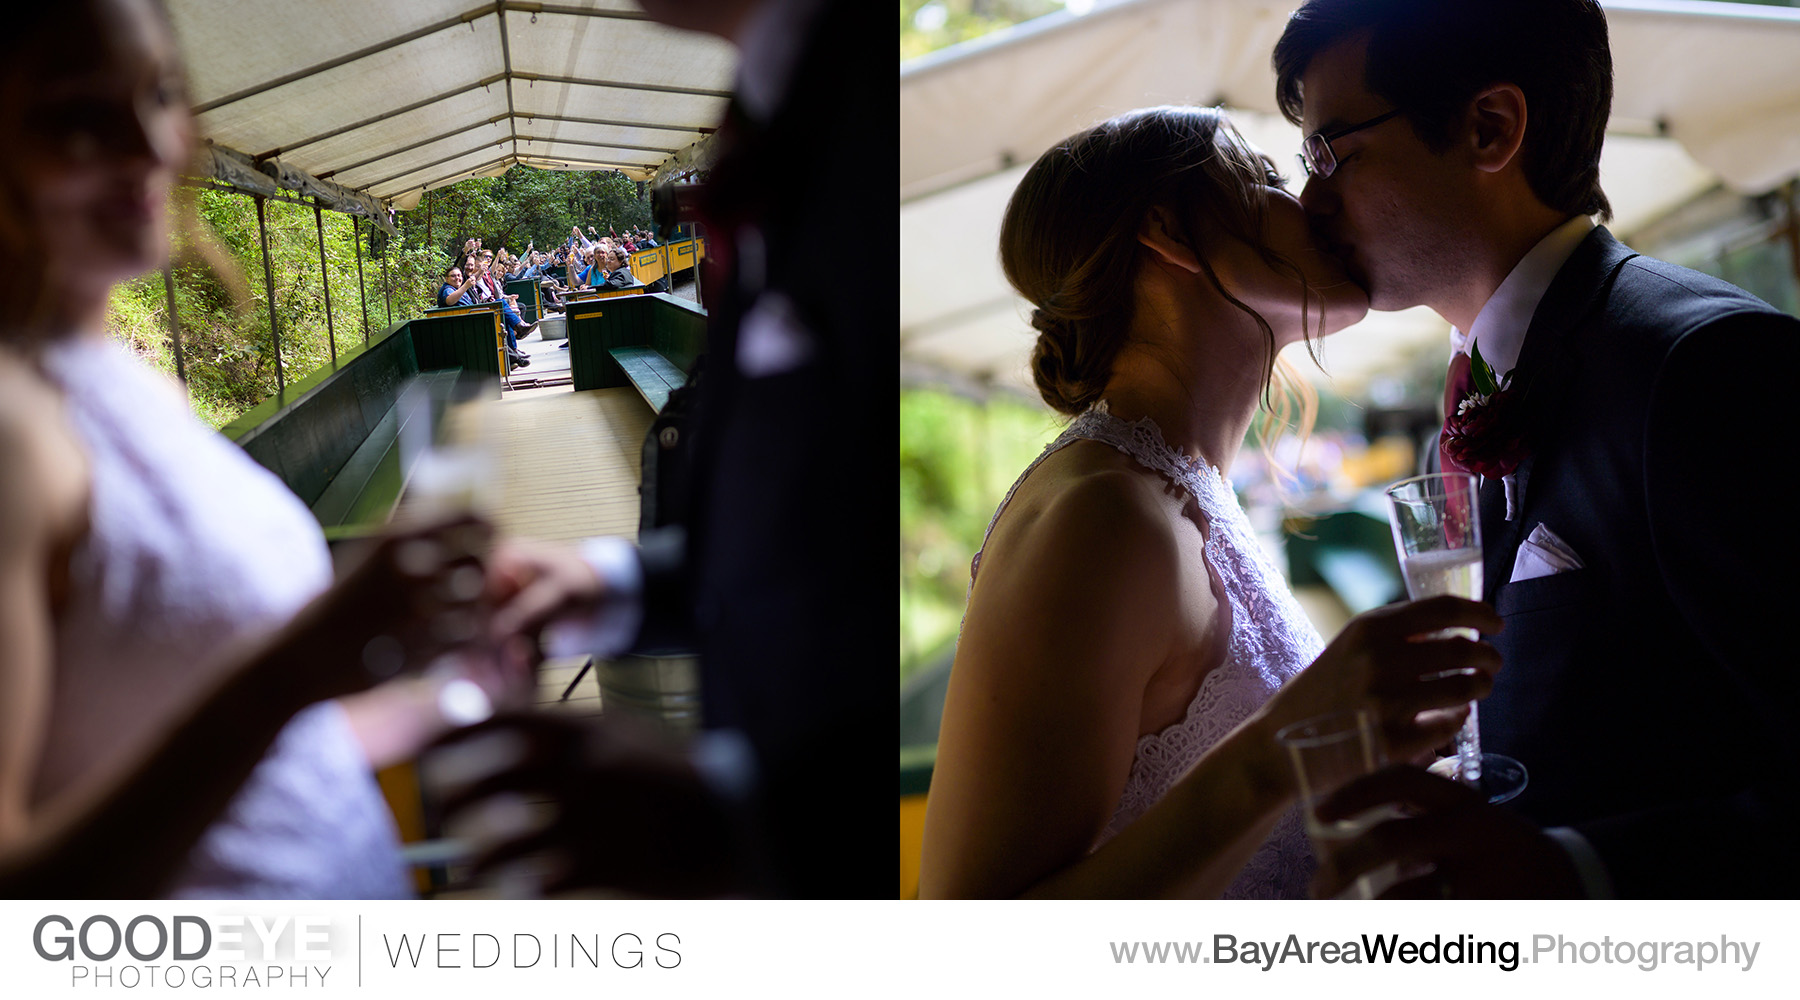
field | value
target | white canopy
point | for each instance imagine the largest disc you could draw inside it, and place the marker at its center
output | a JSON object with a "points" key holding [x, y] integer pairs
{"points": [[395, 97], [1703, 93]]}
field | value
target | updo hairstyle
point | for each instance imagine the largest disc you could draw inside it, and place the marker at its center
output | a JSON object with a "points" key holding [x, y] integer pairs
{"points": [[1069, 240]]}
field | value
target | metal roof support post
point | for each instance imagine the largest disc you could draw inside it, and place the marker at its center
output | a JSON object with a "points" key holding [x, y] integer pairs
{"points": [[1792, 229], [362, 293], [387, 282], [325, 279], [174, 321], [262, 231], [694, 234]]}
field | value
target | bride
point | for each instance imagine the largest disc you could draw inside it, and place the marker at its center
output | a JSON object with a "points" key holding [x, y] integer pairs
{"points": [[172, 649], [1128, 650]]}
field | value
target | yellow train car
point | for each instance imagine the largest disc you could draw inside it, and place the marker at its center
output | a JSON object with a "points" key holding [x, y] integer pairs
{"points": [[649, 265]]}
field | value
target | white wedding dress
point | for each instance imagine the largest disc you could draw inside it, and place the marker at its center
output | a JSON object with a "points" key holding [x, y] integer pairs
{"points": [[193, 547], [1271, 640]]}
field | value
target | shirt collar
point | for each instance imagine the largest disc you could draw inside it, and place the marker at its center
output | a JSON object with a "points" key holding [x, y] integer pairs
{"points": [[1500, 326]]}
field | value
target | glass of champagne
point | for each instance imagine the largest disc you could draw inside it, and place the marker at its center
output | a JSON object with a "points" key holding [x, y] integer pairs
{"points": [[1437, 532], [1328, 752]]}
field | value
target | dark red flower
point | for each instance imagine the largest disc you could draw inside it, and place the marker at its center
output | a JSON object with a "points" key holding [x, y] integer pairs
{"points": [[1486, 435]]}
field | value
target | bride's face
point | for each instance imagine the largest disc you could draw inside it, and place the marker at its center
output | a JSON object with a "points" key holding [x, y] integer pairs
{"points": [[105, 127], [1335, 301]]}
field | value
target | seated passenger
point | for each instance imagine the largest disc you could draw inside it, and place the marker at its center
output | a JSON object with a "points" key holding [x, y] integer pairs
{"points": [[456, 290], [478, 292], [592, 274], [619, 271], [549, 289], [487, 290]]}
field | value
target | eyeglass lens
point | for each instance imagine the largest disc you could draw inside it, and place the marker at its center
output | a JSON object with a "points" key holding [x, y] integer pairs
{"points": [[1316, 157]]}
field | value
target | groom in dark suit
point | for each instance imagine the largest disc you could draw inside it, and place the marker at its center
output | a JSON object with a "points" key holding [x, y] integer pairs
{"points": [[1634, 541], [772, 566]]}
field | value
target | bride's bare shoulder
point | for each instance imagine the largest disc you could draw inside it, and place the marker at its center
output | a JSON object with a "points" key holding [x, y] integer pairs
{"points": [[1086, 485], [45, 469], [1082, 523]]}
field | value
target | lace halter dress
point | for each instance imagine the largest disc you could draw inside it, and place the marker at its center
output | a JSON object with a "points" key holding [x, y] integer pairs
{"points": [[192, 547], [1271, 640]]}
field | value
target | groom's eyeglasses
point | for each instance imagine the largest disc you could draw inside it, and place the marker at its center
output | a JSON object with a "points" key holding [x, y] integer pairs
{"points": [[1316, 156]]}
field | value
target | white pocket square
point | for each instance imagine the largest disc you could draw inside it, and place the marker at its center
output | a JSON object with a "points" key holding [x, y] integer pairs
{"points": [[1543, 554]]}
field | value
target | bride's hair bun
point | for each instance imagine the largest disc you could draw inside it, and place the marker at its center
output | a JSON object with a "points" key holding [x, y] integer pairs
{"points": [[1068, 241], [1066, 384]]}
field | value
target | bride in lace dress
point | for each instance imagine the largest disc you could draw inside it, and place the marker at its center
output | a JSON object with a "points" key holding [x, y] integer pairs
{"points": [[1128, 650]]}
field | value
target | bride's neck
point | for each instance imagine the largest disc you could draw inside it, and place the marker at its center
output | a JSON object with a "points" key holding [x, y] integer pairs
{"points": [[1197, 378]]}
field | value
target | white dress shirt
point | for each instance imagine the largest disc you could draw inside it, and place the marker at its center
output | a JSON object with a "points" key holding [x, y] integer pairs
{"points": [[1501, 324]]}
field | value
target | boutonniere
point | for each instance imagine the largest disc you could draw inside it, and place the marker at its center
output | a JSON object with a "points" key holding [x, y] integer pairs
{"points": [[1486, 434]]}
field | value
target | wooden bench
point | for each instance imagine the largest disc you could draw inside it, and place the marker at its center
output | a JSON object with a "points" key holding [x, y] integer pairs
{"points": [[468, 337], [658, 335], [653, 375], [332, 436], [531, 302], [368, 487]]}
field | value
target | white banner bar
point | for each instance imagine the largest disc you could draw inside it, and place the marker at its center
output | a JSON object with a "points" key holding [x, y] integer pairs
{"points": [[587, 948]]}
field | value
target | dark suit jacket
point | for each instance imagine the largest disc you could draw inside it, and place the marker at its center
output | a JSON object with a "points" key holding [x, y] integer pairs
{"points": [[1651, 694], [782, 575]]}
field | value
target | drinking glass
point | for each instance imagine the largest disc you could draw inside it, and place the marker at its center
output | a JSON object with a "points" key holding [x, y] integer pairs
{"points": [[444, 480], [1328, 752], [1437, 532]]}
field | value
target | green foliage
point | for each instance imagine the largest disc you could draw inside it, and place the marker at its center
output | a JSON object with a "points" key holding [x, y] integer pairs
{"points": [[227, 345], [957, 459], [228, 351], [952, 21], [525, 206]]}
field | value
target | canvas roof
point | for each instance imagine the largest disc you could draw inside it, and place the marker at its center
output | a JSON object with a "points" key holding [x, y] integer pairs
{"points": [[1705, 93], [396, 97]]}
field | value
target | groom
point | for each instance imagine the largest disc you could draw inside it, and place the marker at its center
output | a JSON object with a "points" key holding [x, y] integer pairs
{"points": [[1635, 543]]}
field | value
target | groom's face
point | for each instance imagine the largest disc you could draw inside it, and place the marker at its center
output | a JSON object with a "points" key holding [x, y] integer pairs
{"points": [[1392, 208]]}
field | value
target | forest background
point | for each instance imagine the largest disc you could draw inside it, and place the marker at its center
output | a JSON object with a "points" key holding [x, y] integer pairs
{"points": [[227, 346]]}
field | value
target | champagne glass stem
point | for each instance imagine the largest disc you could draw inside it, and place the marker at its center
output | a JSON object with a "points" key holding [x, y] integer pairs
{"points": [[1468, 749]]}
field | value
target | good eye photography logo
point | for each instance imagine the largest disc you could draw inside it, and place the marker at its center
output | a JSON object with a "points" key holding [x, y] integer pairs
{"points": [[184, 950]]}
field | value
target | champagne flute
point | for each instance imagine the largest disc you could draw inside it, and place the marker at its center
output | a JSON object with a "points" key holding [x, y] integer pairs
{"points": [[1437, 531], [445, 481]]}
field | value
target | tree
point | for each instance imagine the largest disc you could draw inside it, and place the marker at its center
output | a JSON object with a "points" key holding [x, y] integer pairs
{"points": [[524, 206]]}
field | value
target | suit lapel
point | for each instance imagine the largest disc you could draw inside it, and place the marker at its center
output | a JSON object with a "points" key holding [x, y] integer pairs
{"points": [[1545, 372], [1578, 288], [1499, 537]]}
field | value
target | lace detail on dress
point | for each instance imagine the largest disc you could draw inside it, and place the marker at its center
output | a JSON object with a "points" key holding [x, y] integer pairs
{"points": [[1271, 640]]}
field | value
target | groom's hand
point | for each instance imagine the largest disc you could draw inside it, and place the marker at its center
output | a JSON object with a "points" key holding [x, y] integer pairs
{"points": [[597, 803], [1451, 845], [531, 584]]}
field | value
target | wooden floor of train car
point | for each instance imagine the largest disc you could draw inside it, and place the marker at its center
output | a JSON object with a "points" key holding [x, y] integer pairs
{"points": [[566, 467]]}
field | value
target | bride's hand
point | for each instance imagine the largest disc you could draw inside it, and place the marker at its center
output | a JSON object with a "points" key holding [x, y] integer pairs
{"points": [[410, 597], [1417, 684]]}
